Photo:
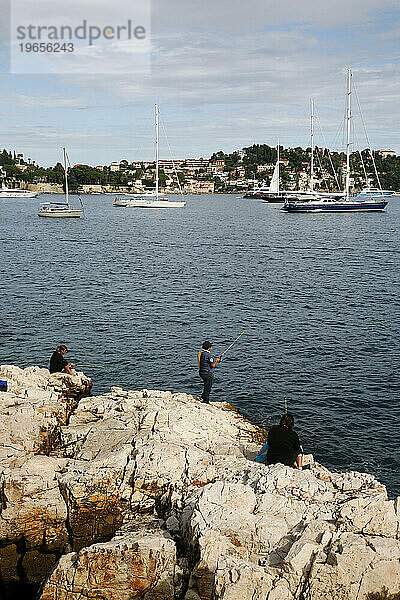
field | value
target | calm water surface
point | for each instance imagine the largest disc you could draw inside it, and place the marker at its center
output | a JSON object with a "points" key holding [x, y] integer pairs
{"points": [[137, 291]]}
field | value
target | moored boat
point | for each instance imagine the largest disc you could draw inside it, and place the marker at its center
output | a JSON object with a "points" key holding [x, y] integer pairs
{"points": [[328, 205], [347, 203], [151, 199], [60, 209], [6, 192]]}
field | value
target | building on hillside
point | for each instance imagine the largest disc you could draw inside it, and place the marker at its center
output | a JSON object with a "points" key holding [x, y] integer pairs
{"points": [[91, 188], [217, 165], [171, 163], [385, 153], [195, 163], [241, 154], [263, 168], [192, 186], [239, 172], [114, 166]]}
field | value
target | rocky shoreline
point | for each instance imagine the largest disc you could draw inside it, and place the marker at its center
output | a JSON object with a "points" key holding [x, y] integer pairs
{"points": [[154, 496]]}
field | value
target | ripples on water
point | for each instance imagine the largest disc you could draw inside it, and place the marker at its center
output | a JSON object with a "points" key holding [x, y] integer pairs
{"points": [[137, 291]]}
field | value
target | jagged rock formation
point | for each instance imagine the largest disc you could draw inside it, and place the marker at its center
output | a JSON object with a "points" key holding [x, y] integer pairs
{"points": [[33, 514], [153, 495]]}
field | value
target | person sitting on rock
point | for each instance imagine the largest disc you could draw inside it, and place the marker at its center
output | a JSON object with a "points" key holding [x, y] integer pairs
{"points": [[59, 364], [284, 444]]}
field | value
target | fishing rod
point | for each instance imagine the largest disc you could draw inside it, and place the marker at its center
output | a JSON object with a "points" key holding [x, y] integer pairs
{"points": [[90, 366], [234, 342]]}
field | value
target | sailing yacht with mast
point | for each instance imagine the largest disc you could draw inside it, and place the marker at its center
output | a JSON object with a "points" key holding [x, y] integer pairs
{"points": [[273, 193], [60, 209], [347, 203], [158, 201], [276, 195]]}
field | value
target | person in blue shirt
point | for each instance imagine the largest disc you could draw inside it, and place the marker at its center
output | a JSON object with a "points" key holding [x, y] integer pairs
{"points": [[207, 364]]}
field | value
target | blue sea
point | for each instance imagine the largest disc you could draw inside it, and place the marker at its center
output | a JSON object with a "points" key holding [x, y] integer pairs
{"points": [[134, 293]]}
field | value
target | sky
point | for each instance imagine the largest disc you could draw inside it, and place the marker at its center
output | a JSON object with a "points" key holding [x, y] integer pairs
{"points": [[226, 75]]}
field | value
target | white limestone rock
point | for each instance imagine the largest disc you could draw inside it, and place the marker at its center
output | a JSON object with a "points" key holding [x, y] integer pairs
{"points": [[244, 530], [132, 566]]}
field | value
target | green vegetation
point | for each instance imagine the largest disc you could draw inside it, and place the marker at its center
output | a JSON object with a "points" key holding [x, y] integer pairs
{"points": [[252, 163], [297, 160]]}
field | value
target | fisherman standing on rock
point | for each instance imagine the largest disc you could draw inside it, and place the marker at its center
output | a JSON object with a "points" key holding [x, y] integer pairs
{"points": [[207, 364]]}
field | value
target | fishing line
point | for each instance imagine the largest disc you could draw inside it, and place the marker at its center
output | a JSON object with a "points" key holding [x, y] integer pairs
{"points": [[234, 342]]}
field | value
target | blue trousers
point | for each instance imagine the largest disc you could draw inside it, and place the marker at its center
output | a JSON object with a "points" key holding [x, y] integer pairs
{"points": [[207, 379]]}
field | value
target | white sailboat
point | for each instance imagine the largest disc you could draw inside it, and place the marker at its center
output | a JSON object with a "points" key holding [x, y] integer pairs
{"points": [[275, 183], [275, 194], [145, 201], [60, 209], [347, 203]]}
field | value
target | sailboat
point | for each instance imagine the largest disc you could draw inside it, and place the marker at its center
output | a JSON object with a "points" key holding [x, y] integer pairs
{"points": [[347, 203], [275, 194], [145, 201], [60, 209], [270, 194]]}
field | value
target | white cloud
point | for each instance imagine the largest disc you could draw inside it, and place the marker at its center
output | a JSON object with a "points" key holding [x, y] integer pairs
{"points": [[236, 15], [225, 80], [49, 101]]}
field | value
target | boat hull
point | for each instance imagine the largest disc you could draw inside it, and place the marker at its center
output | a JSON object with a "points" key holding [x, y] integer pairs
{"points": [[18, 194], [272, 199], [154, 204], [334, 207], [61, 214], [148, 203]]}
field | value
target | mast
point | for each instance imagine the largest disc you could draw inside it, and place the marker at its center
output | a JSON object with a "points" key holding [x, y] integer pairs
{"points": [[157, 182], [348, 134], [277, 165], [312, 147], [66, 177]]}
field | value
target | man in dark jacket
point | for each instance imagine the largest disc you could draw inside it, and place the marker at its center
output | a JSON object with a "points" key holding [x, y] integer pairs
{"points": [[207, 364], [284, 444], [59, 364]]}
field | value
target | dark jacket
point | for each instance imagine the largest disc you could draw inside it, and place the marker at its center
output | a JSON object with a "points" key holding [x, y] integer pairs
{"points": [[283, 446], [57, 362], [206, 360]]}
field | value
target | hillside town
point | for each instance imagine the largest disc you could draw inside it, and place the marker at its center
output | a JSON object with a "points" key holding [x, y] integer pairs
{"points": [[236, 172]]}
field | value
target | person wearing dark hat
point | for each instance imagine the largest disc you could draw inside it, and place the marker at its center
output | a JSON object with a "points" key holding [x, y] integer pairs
{"points": [[207, 364], [59, 364]]}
